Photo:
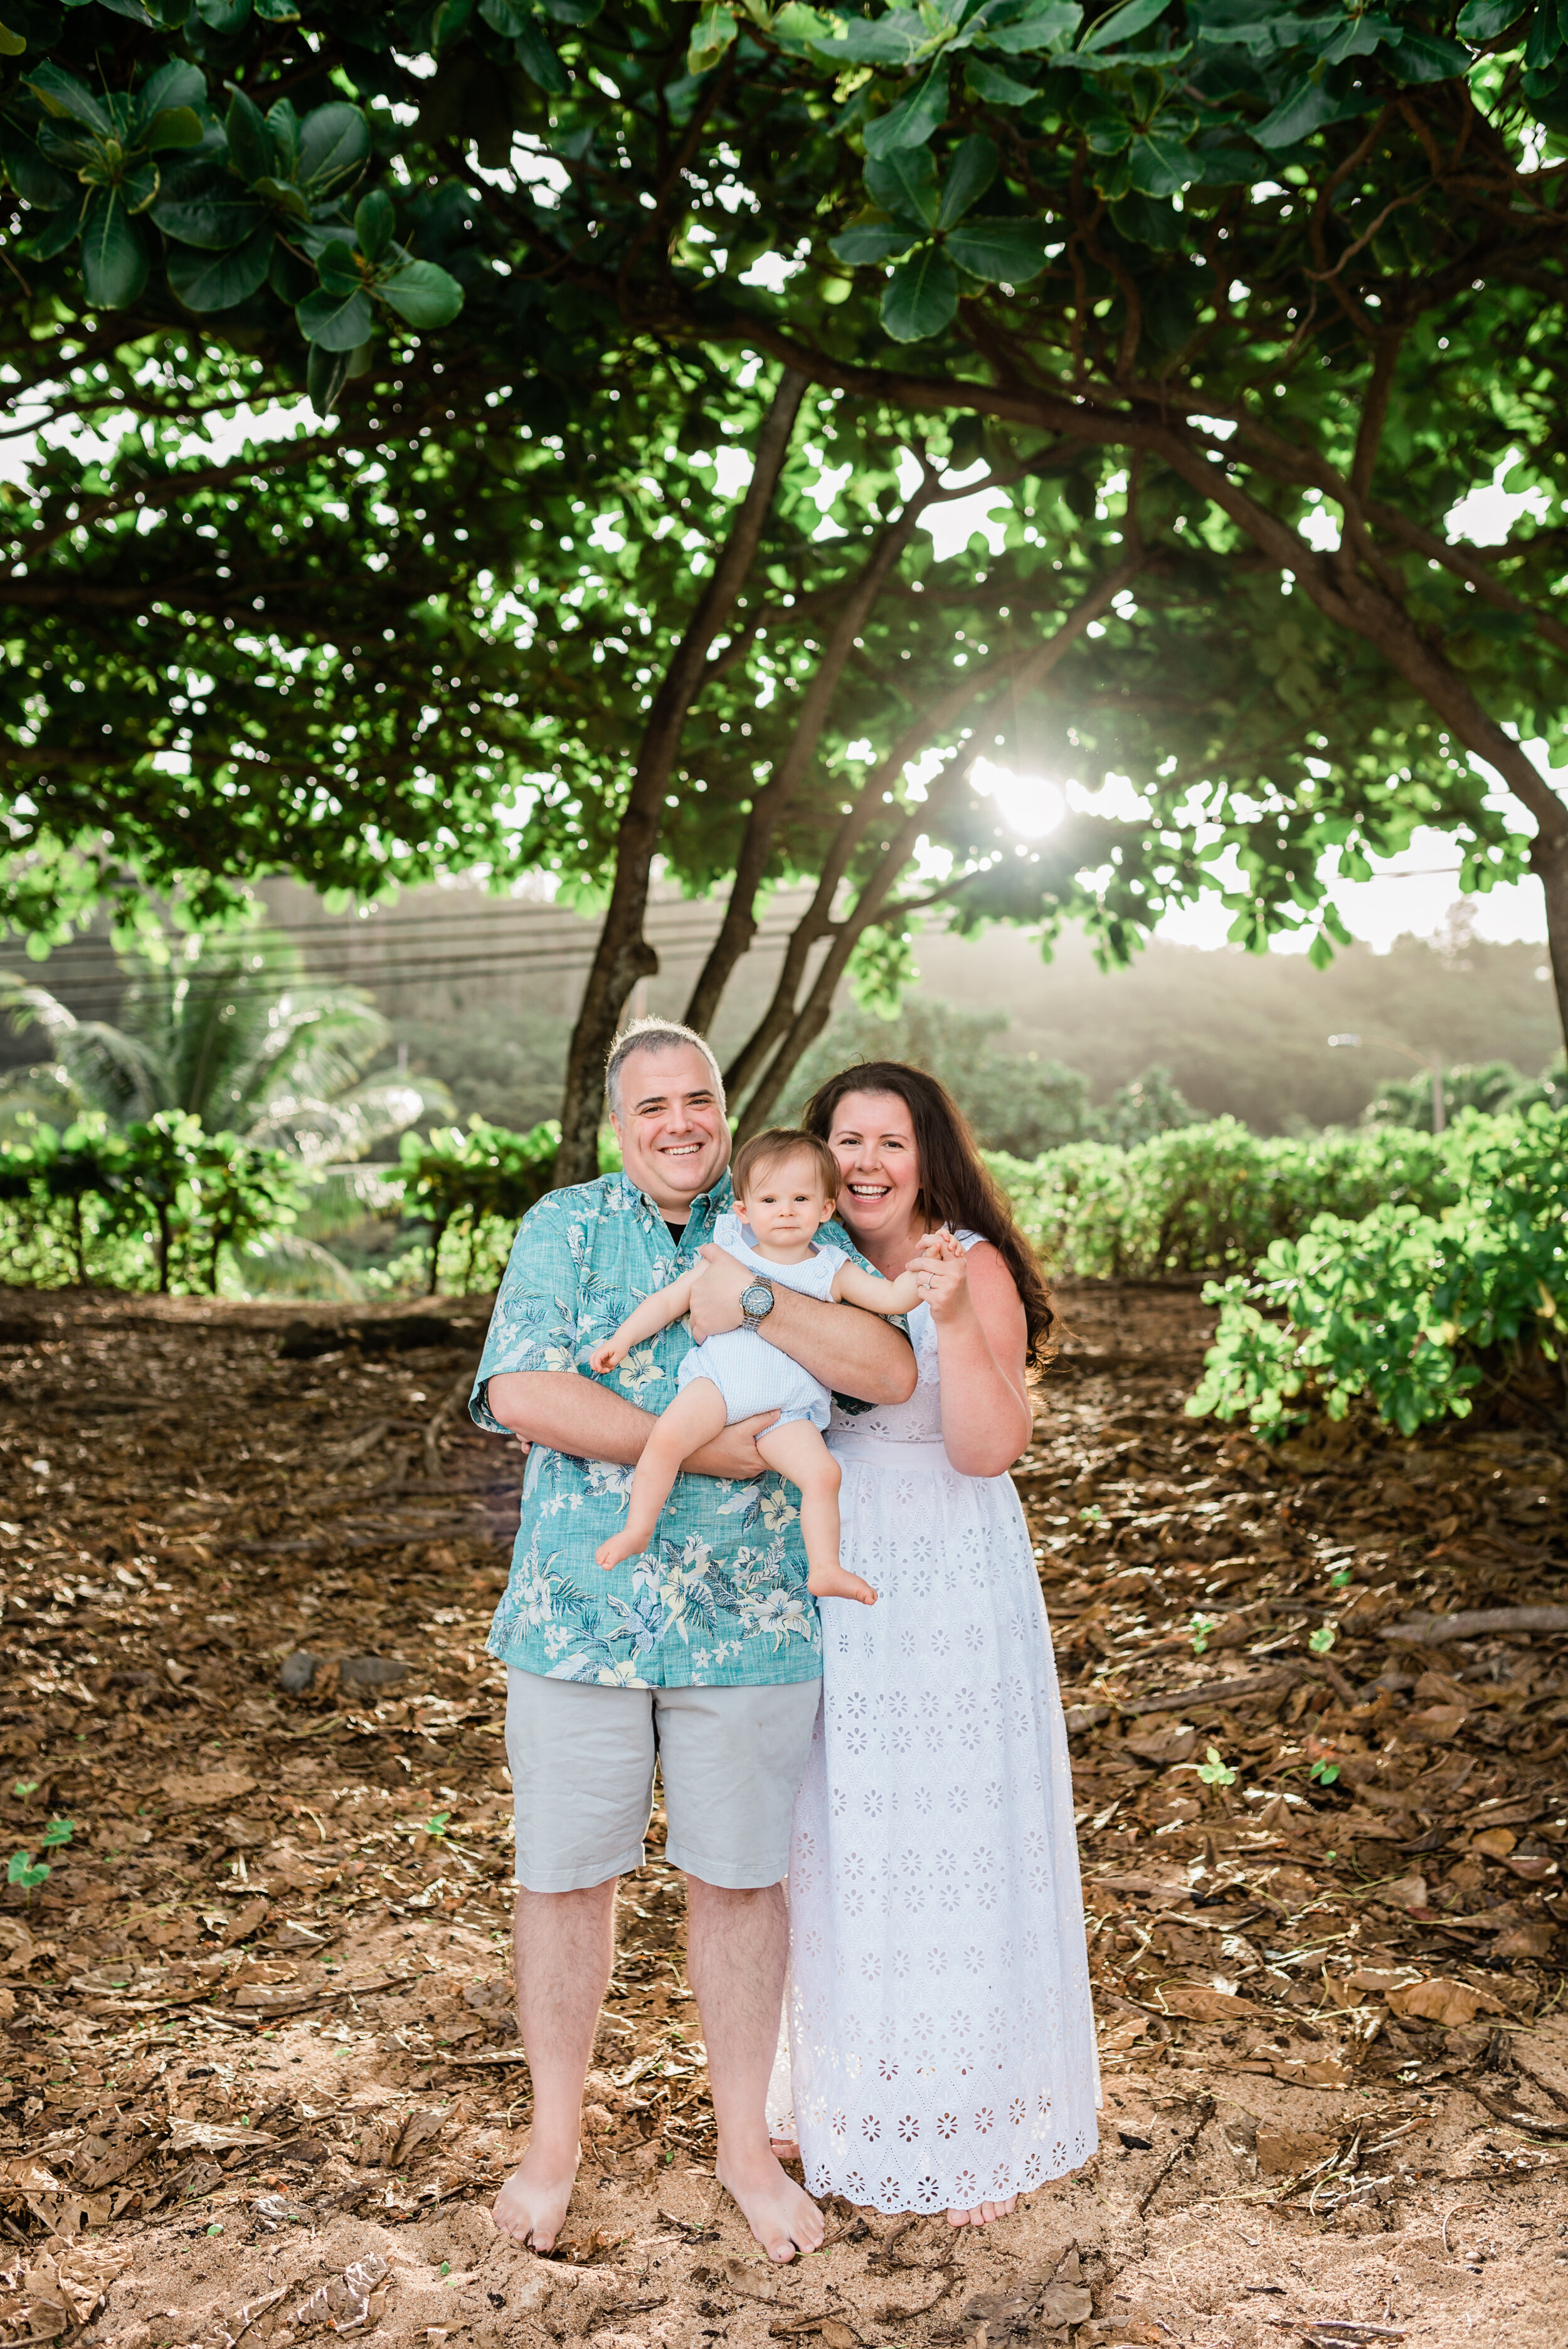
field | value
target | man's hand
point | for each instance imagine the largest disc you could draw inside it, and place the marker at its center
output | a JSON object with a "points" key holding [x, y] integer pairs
{"points": [[734, 1455], [716, 1294]]}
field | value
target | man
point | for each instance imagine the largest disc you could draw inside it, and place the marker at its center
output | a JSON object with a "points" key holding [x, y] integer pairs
{"points": [[705, 1650]]}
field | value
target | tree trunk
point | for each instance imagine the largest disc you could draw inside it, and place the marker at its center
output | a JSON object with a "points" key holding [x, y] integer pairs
{"points": [[738, 926], [624, 954], [808, 1023]]}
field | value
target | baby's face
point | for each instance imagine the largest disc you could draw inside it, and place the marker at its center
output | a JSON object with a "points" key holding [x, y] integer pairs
{"points": [[785, 1207]]}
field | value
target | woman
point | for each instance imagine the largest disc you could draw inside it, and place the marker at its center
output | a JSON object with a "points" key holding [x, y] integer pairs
{"points": [[941, 2038]]}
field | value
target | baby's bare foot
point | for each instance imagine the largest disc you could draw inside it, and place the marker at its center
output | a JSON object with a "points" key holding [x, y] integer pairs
{"points": [[834, 1582], [619, 1545], [533, 2203], [783, 2218]]}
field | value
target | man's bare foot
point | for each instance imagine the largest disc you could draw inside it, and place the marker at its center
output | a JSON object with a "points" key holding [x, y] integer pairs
{"points": [[533, 2203], [834, 1582], [983, 2213], [783, 2218], [619, 1545]]}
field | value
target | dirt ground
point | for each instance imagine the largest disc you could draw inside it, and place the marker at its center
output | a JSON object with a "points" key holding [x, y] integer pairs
{"points": [[261, 2075]]}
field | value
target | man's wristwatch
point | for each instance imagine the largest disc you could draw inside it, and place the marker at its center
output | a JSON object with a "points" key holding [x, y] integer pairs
{"points": [[757, 1303]]}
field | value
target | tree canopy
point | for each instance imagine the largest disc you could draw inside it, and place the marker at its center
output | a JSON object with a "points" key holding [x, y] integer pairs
{"points": [[1246, 301]]}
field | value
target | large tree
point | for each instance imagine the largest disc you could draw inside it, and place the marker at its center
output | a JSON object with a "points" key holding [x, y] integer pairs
{"points": [[1072, 230], [1301, 276]]}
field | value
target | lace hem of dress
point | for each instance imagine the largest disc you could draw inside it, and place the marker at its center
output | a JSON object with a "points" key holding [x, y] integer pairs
{"points": [[895, 2191]]}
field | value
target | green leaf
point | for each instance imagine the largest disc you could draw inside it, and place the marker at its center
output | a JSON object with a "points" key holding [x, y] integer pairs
{"points": [[338, 322], [171, 126], [502, 18], [21, 1868], [713, 35], [905, 186], [114, 251], [897, 39], [210, 214], [1483, 20], [216, 281], [12, 45], [290, 278], [1121, 25], [35, 180], [282, 196], [1302, 110], [250, 149], [325, 374], [921, 296], [871, 240], [60, 230], [1545, 38], [994, 88], [339, 267], [970, 173], [283, 129], [58, 1832], [912, 120], [1050, 27], [375, 225], [1160, 165], [278, 12], [1424, 56], [63, 96], [449, 23], [422, 294], [1002, 252], [333, 141], [540, 62], [224, 17], [175, 84]]}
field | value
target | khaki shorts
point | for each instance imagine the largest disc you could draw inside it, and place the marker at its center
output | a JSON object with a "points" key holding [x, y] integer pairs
{"points": [[582, 1760]]}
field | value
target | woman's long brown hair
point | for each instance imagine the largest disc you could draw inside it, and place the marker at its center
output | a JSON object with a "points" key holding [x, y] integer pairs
{"points": [[957, 1186]]}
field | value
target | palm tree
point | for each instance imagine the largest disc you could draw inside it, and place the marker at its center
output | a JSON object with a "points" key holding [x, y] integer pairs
{"points": [[227, 1027]]}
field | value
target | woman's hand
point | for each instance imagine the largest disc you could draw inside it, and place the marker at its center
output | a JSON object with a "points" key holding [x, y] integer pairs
{"points": [[942, 1269]]}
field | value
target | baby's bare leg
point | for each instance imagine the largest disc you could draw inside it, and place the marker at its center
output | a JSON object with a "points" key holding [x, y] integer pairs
{"points": [[797, 1452], [697, 1414]]}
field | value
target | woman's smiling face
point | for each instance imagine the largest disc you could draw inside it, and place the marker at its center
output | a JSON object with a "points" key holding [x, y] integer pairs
{"points": [[873, 1138]]}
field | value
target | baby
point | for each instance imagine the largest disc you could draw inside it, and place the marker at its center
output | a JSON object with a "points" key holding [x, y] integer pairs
{"points": [[785, 1187]]}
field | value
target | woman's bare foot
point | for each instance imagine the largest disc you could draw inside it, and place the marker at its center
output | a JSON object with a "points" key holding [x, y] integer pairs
{"points": [[834, 1582], [784, 2148], [983, 2213], [533, 2203], [782, 2217]]}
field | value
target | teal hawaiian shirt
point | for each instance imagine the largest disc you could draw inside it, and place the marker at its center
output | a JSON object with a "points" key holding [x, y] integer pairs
{"points": [[721, 1600]]}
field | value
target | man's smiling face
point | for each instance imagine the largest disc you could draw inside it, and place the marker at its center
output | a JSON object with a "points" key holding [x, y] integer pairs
{"points": [[671, 1126]]}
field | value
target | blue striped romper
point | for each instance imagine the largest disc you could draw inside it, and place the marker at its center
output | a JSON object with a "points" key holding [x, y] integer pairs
{"points": [[751, 1374]]}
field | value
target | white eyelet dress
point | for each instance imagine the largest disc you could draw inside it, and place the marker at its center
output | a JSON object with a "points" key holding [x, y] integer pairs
{"points": [[942, 2045]]}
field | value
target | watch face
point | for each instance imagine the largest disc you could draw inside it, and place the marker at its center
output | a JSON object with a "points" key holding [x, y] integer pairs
{"points": [[757, 1300]]}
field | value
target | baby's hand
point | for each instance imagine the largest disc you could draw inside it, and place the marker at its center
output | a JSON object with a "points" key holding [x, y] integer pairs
{"points": [[604, 1358]]}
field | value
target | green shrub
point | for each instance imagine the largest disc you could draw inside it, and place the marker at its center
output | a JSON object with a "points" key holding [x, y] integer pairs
{"points": [[1209, 1198], [153, 1205], [1403, 1303]]}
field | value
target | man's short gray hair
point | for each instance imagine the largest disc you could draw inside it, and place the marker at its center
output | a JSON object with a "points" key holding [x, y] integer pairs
{"points": [[655, 1036]]}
